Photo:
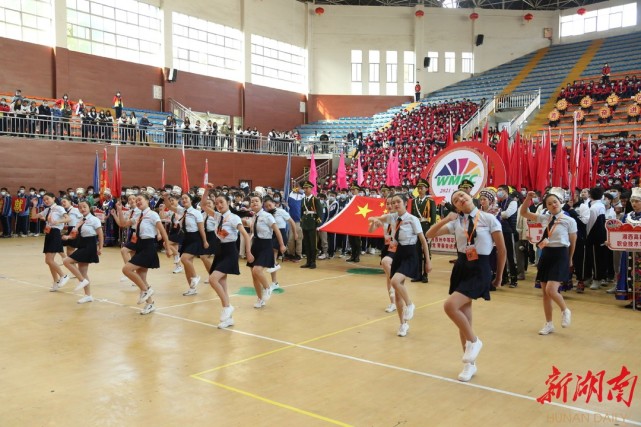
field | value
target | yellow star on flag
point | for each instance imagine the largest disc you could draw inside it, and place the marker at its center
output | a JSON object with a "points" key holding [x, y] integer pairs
{"points": [[363, 210], [382, 204]]}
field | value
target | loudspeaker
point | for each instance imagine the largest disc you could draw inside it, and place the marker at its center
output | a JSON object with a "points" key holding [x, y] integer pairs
{"points": [[426, 62], [479, 39], [172, 75]]}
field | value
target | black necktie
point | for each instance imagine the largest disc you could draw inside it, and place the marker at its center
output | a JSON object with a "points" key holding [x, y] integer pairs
{"points": [[545, 233], [471, 231], [399, 220]]}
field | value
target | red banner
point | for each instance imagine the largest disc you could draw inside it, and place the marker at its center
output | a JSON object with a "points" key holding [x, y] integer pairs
{"points": [[352, 220]]}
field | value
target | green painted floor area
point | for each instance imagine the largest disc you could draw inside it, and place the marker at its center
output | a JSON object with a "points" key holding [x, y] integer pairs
{"points": [[250, 291], [365, 271]]}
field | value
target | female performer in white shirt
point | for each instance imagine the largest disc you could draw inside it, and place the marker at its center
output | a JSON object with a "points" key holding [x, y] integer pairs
{"points": [[147, 226], [89, 241], [226, 258], [55, 217], [194, 244], [557, 245], [387, 257], [263, 228], [476, 235], [406, 229]]}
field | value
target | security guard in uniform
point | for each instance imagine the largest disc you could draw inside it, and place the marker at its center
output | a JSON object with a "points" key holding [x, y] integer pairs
{"points": [[423, 208], [311, 210], [355, 241]]}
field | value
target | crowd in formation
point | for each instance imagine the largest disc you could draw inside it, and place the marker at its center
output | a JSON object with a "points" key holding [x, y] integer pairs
{"points": [[222, 225]]}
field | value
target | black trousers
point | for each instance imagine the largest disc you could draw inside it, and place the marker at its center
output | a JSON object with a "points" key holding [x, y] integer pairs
{"points": [[510, 260], [599, 261], [331, 244], [579, 261], [309, 246], [355, 244]]}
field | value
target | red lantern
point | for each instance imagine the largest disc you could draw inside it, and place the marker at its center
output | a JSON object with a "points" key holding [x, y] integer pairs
{"points": [[474, 16], [419, 13], [319, 11], [581, 11], [528, 17]]}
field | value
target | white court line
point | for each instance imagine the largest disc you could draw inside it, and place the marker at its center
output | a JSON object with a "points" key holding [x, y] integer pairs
{"points": [[371, 362], [412, 371], [236, 295]]}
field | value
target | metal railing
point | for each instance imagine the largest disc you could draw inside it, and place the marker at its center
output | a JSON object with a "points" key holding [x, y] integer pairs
{"points": [[516, 100], [518, 121], [323, 169], [74, 129], [475, 121]]}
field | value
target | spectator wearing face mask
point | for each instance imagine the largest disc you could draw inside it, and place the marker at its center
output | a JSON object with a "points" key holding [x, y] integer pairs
{"points": [[21, 210], [295, 245], [5, 212], [596, 236]]}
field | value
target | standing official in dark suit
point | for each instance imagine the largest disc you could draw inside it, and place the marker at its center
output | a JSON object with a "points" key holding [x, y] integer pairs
{"points": [[311, 209]]}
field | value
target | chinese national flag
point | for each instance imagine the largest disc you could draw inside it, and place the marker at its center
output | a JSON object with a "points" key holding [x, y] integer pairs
{"points": [[352, 220]]}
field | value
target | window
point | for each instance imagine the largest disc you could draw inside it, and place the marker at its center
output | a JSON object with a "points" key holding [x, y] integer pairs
{"points": [[129, 31], [409, 72], [29, 21], [374, 72], [433, 68], [450, 4], [599, 20], [391, 72], [357, 72], [467, 62], [204, 47], [277, 64], [450, 62]]}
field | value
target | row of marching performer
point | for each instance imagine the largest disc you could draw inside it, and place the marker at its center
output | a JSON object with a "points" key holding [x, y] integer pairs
{"points": [[201, 234]]}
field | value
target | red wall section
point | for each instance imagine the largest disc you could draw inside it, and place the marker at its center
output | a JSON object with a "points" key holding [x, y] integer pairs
{"points": [[57, 165], [268, 108], [96, 80], [27, 66], [329, 107], [202, 93]]}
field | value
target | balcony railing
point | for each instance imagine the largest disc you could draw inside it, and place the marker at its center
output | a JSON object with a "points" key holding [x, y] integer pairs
{"points": [[106, 132]]}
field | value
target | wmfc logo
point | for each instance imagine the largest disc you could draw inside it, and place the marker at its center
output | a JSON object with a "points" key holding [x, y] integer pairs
{"points": [[456, 171]]}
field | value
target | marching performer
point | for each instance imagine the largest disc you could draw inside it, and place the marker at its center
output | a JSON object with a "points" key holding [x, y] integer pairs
{"points": [[263, 228], [176, 231], [229, 227], [406, 231], [476, 234], [557, 245], [74, 216], [147, 227], [387, 257], [55, 217], [89, 240], [194, 244], [282, 218]]}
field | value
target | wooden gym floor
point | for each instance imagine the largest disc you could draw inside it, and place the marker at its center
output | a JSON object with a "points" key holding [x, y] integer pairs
{"points": [[322, 353]]}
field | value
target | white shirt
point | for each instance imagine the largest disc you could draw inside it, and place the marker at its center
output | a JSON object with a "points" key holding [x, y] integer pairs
{"points": [[409, 229], [485, 226], [210, 223], [177, 216], [558, 236], [596, 208], [74, 215], [281, 216], [262, 225], [192, 218], [147, 229], [52, 214], [229, 223], [90, 226], [511, 210]]}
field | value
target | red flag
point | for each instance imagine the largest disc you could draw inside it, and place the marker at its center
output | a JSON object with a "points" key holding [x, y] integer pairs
{"points": [[162, 174], [450, 136], [341, 174], [184, 175], [359, 176], [393, 178], [396, 171], [485, 138], [116, 188], [352, 220], [104, 174], [544, 159], [502, 148], [313, 173], [560, 176]]}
